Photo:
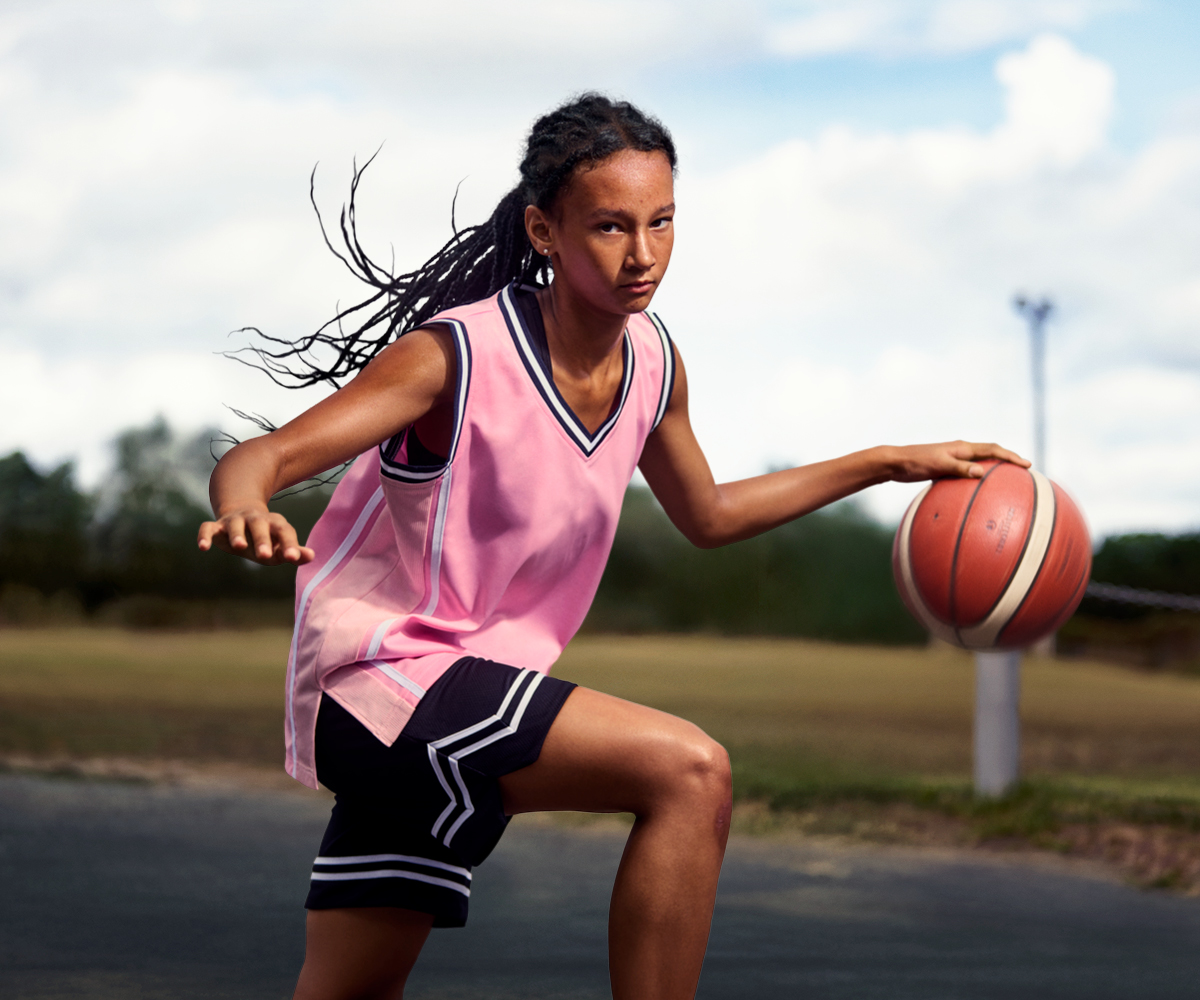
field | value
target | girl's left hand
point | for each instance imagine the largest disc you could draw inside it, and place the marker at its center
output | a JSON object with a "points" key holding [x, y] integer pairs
{"points": [[916, 462]]}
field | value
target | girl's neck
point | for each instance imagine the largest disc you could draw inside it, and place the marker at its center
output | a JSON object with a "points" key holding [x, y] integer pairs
{"points": [[581, 339]]}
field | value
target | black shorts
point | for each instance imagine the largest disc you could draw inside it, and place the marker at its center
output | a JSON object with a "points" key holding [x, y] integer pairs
{"points": [[411, 819]]}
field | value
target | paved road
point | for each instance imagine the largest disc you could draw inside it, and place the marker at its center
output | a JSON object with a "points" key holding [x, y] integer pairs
{"points": [[120, 891]]}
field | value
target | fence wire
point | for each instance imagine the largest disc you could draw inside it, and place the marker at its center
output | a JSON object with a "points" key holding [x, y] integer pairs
{"points": [[1145, 598]]}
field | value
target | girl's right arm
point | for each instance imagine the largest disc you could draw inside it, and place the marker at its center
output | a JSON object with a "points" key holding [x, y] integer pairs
{"points": [[407, 380]]}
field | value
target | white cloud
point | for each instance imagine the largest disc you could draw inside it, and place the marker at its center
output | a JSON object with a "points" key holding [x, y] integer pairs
{"points": [[873, 275], [827, 27], [410, 49], [828, 294], [70, 408]]}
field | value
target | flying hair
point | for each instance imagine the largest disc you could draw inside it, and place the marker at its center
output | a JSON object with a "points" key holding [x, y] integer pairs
{"points": [[475, 263]]}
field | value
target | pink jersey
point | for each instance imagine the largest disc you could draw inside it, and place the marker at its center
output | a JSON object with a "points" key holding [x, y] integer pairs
{"points": [[496, 553]]}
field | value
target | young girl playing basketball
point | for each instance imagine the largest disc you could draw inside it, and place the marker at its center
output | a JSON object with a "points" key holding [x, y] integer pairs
{"points": [[460, 552]]}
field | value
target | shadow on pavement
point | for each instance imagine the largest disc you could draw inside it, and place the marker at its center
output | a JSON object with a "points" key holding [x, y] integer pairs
{"points": [[116, 891]]}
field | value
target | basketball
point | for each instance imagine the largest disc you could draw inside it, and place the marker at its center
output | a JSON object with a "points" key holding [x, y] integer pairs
{"points": [[992, 563]]}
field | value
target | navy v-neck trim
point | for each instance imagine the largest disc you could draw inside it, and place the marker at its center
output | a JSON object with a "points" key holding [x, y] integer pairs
{"points": [[525, 299], [535, 355]]}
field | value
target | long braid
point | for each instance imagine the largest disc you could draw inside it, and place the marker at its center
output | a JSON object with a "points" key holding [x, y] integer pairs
{"points": [[474, 263]]}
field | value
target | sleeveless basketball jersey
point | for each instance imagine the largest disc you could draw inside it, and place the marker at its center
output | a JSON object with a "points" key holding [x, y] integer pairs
{"points": [[497, 552]]}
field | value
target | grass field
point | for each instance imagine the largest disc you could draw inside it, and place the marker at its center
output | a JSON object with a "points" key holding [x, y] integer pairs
{"points": [[109, 692], [807, 724], [897, 710]]}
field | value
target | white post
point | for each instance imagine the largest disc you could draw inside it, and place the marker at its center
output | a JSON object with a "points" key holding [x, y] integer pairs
{"points": [[997, 722], [1045, 647]]}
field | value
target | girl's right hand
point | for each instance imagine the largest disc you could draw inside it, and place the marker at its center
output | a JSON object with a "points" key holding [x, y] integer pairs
{"points": [[257, 534]]}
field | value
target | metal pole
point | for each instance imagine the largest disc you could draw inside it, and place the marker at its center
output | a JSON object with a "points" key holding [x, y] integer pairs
{"points": [[998, 674], [997, 722], [1036, 313], [1037, 334]]}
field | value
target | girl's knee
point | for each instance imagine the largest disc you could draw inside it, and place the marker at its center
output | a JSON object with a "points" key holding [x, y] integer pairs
{"points": [[699, 767]]}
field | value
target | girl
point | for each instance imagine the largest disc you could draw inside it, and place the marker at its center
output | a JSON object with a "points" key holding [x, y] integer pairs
{"points": [[461, 550]]}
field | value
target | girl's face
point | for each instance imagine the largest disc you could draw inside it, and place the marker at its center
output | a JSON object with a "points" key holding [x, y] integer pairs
{"points": [[611, 232]]}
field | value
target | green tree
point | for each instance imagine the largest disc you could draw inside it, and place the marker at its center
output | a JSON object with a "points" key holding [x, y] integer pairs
{"points": [[1167, 563], [827, 575], [148, 512], [43, 522]]}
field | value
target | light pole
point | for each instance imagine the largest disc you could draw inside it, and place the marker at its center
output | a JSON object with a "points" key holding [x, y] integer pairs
{"points": [[1036, 312], [998, 672]]}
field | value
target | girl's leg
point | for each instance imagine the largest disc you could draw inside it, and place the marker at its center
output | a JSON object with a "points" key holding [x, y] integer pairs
{"points": [[603, 754], [361, 953]]}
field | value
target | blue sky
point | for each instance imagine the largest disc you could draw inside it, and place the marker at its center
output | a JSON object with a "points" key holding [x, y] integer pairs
{"points": [[863, 186], [760, 99]]}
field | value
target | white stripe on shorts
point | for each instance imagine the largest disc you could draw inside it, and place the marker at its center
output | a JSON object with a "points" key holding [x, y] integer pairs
{"points": [[391, 873], [367, 859], [526, 683]]}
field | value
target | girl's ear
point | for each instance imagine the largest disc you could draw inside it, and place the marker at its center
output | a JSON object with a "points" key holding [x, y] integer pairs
{"points": [[539, 229]]}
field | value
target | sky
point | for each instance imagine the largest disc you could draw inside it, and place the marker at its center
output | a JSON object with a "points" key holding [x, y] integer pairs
{"points": [[863, 187]]}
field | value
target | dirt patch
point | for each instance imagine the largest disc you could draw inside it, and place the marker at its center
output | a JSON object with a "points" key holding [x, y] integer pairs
{"points": [[1155, 857], [210, 775], [1150, 857], [892, 823]]}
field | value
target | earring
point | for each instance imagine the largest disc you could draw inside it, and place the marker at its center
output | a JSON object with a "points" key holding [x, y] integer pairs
{"points": [[546, 251]]}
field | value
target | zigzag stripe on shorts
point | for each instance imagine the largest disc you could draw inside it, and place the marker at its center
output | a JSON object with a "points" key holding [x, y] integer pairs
{"points": [[451, 749]]}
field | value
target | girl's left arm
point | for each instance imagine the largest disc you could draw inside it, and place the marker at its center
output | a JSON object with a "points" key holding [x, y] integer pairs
{"points": [[711, 514]]}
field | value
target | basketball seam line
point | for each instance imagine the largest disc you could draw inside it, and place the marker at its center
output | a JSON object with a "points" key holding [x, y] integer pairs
{"points": [[1041, 566], [987, 632], [1074, 594], [1017, 565], [962, 526], [919, 608]]}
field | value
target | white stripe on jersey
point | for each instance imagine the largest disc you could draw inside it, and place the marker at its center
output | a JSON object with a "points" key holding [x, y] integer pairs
{"points": [[405, 682], [668, 382], [435, 556], [356, 529]]}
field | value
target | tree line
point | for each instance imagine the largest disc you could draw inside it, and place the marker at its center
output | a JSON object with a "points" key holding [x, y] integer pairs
{"points": [[131, 544]]}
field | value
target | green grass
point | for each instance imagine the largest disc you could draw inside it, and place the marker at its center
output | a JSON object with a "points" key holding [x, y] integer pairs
{"points": [[807, 724], [869, 713], [874, 743], [848, 735], [1035, 810], [89, 692]]}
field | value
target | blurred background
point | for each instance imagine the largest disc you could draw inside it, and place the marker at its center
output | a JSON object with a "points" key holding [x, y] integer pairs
{"points": [[864, 186]]}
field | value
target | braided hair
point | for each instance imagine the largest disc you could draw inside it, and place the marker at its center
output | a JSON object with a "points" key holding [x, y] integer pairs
{"points": [[475, 263]]}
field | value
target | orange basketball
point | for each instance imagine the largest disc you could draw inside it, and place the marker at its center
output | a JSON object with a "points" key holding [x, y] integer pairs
{"points": [[992, 563]]}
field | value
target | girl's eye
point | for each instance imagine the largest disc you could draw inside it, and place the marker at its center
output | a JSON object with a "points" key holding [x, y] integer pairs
{"points": [[609, 227], [660, 223]]}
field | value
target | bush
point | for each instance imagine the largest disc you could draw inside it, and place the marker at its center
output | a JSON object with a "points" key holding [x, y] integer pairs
{"points": [[43, 523], [827, 576], [1141, 635], [131, 547]]}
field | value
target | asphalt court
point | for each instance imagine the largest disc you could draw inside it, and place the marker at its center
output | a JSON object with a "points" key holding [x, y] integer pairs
{"points": [[121, 891]]}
